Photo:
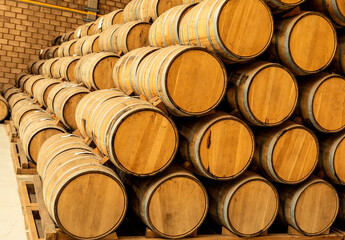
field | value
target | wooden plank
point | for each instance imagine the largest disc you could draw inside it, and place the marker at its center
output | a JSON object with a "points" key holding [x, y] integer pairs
{"points": [[15, 158], [47, 222], [92, 4]]}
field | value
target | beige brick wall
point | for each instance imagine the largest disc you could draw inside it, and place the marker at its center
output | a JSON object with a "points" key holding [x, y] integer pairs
{"points": [[25, 29]]}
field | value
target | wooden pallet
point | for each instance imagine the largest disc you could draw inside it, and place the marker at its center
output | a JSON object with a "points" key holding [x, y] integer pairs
{"points": [[41, 227], [11, 131], [21, 163]]}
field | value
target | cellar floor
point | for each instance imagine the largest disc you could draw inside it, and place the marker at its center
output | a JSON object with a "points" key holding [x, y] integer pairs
{"points": [[12, 225]]}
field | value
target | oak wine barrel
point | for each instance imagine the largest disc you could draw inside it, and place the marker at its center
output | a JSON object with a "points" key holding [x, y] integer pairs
{"points": [[54, 92], [219, 146], [4, 108], [112, 18], [105, 41], [41, 92], [67, 37], [19, 76], [236, 30], [287, 153], [322, 102], [339, 58], [30, 84], [52, 52], [67, 68], [278, 6], [131, 11], [296, 54], [246, 206], [150, 10], [48, 66], [309, 207], [164, 31], [264, 93], [37, 67], [188, 80], [91, 45], [137, 137], [172, 204], [79, 45], [21, 109]]}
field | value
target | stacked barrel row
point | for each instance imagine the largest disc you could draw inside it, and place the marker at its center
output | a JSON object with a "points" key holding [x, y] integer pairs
{"points": [[297, 124]]}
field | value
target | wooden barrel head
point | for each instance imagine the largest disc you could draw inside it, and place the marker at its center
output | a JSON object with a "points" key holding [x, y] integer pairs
{"points": [[177, 206], [145, 142], [226, 148], [308, 54], [195, 88], [329, 104], [38, 139], [245, 27], [316, 208], [272, 95], [295, 154], [69, 109], [252, 207], [138, 36], [103, 72], [87, 215]]}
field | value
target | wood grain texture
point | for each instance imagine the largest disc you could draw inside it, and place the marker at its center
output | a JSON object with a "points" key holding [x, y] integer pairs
{"points": [[30, 83], [79, 45], [332, 150], [164, 31], [131, 11], [265, 93], [219, 146], [321, 102], [91, 45], [22, 108], [310, 207], [188, 80], [112, 18], [151, 10], [106, 39], [37, 67], [138, 137], [287, 153], [42, 90], [294, 43], [48, 67], [235, 30], [172, 204], [246, 206], [67, 68]]}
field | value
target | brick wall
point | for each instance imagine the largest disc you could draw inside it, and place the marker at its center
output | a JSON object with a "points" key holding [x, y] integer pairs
{"points": [[25, 29]]}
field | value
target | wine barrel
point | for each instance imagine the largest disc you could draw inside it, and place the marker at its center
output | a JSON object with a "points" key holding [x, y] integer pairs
{"points": [[172, 204], [151, 10], [23, 80], [61, 49], [37, 67], [321, 102], [34, 136], [94, 72], [48, 66], [164, 31], [310, 207], [30, 65], [332, 148], [287, 153], [65, 103], [125, 69], [105, 40], [79, 45], [179, 76], [138, 137], [67, 68], [339, 58], [83, 30], [15, 98], [235, 30], [4, 108], [103, 195], [18, 77], [8, 90], [91, 102], [68, 49], [52, 52], [80, 63], [30, 84], [97, 26], [295, 54], [56, 68], [56, 41], [30, 118], [219, 146], [334, 9], [265, 93], [131, 11], [22, 108], [246, 206], [54, 91], [41, 92], [43, 53], [56, 145], [112, 18], [278, 6], [91, 45], [130, 36], [67, 36]]}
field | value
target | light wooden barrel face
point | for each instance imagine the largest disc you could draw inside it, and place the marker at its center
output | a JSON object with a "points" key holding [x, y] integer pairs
{"points": [[252, 207], [295, 154], [3, 108], [186, 88], [106, 211], [145, 142], [102, 71], [328, 104], [334, 9], [69, 110], [266, 95], [177, 207], [339, 164], [316, 208]]}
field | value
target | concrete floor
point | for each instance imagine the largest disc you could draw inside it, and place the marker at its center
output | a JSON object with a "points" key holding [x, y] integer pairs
{"points": [[12, 225]]}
